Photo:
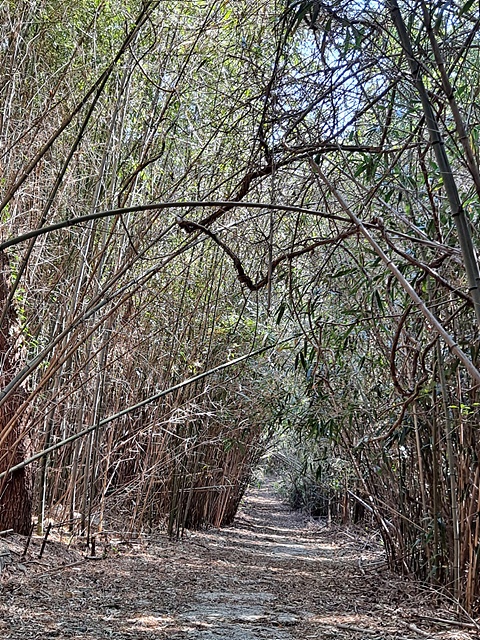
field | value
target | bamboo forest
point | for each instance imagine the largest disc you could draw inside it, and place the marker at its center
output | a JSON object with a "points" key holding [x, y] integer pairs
{"points": [[238, 249]]}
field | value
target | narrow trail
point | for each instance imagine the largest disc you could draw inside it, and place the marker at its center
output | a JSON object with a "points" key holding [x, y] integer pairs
{"points": [[273, 575]]}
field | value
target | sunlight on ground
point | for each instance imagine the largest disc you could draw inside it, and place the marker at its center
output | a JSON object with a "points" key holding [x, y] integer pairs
{"points": [[150, 622]]}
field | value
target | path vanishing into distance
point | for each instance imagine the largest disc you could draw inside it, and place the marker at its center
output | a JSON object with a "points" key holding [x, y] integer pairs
{"points": [[275, 574]]}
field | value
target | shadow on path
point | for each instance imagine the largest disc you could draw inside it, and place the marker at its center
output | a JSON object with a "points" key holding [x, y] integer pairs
{"points": [[274, 575], [277, 575]]}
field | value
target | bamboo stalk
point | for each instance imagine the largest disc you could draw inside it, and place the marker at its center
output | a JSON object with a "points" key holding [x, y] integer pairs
{"points": [[143, 403], [449, 428], [456, 208], [431, 319], [435, 485], [450, 95]]}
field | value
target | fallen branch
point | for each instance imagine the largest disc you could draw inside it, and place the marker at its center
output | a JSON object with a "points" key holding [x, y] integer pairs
{"points": [[78, 563], [451, 623], [415, 629]]}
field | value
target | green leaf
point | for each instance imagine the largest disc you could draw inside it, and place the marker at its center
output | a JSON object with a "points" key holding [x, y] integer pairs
{"points": [[281, 311], [303, 362], [303, 9], [362, 166], [343, 272], [468, 5], [378, 300]]}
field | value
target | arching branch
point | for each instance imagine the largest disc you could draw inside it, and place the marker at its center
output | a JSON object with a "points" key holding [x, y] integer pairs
{"points": [[243, 277]]}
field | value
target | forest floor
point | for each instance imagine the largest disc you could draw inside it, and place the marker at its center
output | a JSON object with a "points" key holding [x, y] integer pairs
{"points": [[275, 575]]}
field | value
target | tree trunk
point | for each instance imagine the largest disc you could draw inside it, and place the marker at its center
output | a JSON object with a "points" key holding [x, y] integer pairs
{"points": [[15, 489]]}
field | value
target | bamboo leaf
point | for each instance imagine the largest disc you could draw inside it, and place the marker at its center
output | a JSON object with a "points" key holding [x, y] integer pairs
{"points": [[281, 311], [466, 7]]}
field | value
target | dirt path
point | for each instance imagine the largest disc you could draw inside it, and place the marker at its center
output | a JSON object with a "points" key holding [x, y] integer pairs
{"points": [[273, 575]]}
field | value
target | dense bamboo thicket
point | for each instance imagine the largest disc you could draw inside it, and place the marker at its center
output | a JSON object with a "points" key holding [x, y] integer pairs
{"points": [[231, 224], [100, 111]]}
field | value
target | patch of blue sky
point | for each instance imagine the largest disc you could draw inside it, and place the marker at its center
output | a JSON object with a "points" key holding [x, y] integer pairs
{"points": [[325, 86]]}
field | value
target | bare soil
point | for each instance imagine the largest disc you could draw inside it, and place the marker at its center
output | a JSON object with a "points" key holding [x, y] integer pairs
{"points": [[275, 574]]}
